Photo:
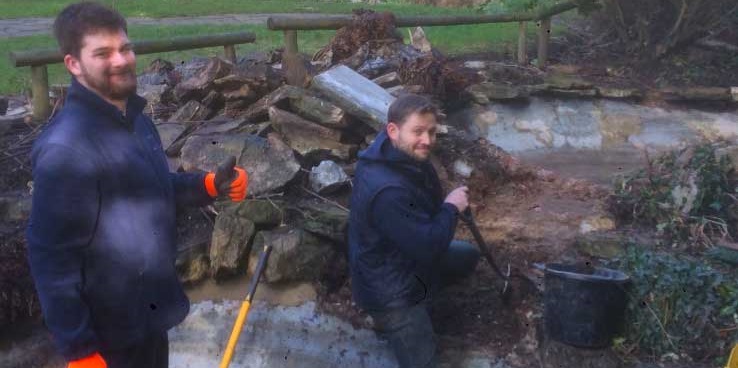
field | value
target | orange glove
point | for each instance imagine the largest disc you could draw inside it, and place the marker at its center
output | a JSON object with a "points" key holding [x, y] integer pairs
{"points": [[92, 361], [228, 179]]}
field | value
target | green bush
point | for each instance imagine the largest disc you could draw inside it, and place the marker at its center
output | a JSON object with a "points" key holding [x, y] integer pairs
{"points": [[678, 306], [687, 196]]}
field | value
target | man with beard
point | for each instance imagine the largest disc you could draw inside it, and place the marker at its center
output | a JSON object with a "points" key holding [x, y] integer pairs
{"points": [[101, 237], [401, 229]]}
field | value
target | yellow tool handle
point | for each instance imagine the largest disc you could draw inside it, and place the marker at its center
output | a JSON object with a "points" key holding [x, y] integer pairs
{"points": [[235, 333]]}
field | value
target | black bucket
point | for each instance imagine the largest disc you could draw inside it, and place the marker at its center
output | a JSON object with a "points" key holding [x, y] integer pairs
{"points": [[584, 306]]}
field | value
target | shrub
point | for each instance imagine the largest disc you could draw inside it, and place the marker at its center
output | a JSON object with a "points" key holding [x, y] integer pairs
{"points": [[679, 306]]}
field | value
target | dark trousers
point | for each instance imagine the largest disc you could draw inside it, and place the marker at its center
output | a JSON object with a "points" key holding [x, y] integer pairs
{"points": [[153, 352], [409, 330]]}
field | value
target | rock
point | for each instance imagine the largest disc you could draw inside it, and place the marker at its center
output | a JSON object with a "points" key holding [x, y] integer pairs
{"points": [[483, 93], [263, 213], [316, 109], [374, 67], [194, 270], [388, 80], [159, 66], [291, 124], [206, 152], [15, 206], [396, 91], [600, 244], [255, 57], [475, 64], [155, 94], [153, 79], [697, 94], [734, 93], [248, 83], [269, 162], [622, 93], [462, 168], [213, 101], [323, 219], [308, 138], [262, 78], [567, 93], [169, 132], [260, 109], [191, 113], [561, 81], [197, 85], [327, 177], [596, 223], [419, 40], [243, 94], [355, 94], [296, 255], [231, 244]]}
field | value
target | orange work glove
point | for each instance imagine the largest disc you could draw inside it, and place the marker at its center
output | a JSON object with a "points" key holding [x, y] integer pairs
{"points": [[228, 179], [92, 361]]}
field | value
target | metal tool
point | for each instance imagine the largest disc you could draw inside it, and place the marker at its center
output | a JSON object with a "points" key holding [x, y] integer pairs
{"points": [[467, 217], [244, 311]]}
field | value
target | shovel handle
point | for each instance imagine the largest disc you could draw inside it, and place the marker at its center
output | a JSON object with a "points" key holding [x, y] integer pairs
{"points": [[244, 311], [468, 218]]}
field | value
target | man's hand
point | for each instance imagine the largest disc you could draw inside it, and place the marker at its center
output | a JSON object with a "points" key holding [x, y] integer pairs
{"points": [[92, 361], [228, 179], [459, 197]]}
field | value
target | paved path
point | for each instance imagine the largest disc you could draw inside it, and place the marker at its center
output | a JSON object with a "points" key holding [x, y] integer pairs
{"points": [[31, 26]]}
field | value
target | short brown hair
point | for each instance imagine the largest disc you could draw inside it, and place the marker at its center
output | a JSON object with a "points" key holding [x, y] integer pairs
{"points": [[409, 104], [84, 18]]}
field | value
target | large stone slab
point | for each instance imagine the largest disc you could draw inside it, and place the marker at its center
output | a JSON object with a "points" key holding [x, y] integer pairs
{"points": [[356, 94], [201, 80], [323, 219], [308, 138], [169, 132], [270, 163], [231, 244], [296, 255], [327, 177]]}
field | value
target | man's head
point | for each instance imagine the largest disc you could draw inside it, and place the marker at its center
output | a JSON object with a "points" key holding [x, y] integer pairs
{"points": [[411, 125], [97, 52]]}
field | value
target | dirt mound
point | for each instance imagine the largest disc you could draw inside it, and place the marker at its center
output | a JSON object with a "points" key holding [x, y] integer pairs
{"points": [[365, 26]]}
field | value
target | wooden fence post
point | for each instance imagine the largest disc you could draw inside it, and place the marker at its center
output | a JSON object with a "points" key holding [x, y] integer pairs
{"points": [[40, 91], [544, 33], [290, 42], [229, 52], [522, 43]]}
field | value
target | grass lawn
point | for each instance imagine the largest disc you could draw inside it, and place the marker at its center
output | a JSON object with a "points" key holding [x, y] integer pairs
{"points": [[476, 38], [169, 8]]}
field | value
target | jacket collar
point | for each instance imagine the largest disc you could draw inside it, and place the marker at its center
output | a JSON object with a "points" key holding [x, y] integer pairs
{"points": [[382, 150], [80, 94]]}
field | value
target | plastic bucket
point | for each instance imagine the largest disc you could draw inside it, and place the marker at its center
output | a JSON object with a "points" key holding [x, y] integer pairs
{"points": [[584, 306]]}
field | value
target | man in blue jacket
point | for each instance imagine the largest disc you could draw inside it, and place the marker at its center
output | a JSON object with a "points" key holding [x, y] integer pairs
{"points": [[101, 237], [401, 229]]}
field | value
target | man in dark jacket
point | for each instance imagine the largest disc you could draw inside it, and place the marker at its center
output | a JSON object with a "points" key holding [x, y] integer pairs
{"points": [[101, 237], [401, 230]]}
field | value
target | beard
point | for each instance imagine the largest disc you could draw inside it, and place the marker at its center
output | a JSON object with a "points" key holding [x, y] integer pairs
{"points": [[409, 150], [107, 87]]}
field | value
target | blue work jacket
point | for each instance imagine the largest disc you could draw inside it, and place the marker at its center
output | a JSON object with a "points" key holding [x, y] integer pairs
{"points": [[102, 232], [399, 227]]}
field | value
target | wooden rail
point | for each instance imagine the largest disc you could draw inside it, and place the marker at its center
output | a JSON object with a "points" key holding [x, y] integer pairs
{"points": [[542, 17], [38, 60]]}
